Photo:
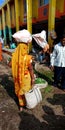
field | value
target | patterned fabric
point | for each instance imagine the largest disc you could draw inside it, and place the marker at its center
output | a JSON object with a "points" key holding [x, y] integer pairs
{"points": [[21, 75]]}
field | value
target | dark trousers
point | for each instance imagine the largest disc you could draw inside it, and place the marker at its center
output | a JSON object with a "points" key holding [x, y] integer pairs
{"points": [[59, 75]]}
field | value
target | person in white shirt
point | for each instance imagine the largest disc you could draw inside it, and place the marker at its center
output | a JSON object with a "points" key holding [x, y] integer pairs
{"points": [[2, 41], [57, 62]]}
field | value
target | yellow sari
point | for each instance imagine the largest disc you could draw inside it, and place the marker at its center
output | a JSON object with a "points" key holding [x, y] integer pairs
{"points": [[20, 72]]}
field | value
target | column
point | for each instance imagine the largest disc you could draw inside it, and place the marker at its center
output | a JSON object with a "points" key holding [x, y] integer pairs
{"points": [[35, 8], [9, 22], [29, 19], [60, 5], [0, 25], [21, 10], [17, 14], [3, 24], [51, 20], [12, 16]]}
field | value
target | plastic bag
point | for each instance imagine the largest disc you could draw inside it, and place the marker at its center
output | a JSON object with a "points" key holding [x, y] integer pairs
{"points": [[33, 97]]}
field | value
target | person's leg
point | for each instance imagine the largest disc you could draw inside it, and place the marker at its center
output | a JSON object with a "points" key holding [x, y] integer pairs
{"points": [[22, 102], [63, 78], [57, 75]]}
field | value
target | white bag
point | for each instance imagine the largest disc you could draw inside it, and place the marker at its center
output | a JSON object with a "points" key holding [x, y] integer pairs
{"points": [[33, 97], [22, 36]]}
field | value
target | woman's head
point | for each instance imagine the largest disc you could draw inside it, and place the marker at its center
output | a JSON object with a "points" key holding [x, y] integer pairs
{"points": [[22, 36]]}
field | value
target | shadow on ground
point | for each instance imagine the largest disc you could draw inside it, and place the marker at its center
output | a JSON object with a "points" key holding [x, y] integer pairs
{"points": [[58, 99], [7, 82], [50, 121]]}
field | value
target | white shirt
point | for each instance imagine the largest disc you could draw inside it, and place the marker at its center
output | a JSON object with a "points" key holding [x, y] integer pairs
{"points": [[1, 40], [58, 56]]}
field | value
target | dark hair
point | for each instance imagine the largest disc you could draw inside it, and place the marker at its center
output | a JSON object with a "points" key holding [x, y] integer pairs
{"points": [[63, 36]]}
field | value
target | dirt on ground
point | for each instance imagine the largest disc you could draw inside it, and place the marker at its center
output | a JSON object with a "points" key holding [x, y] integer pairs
{"points": [[47, 115]]}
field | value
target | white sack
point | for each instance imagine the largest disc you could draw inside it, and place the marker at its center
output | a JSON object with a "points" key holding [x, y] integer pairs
{"points": [[22, 36]]}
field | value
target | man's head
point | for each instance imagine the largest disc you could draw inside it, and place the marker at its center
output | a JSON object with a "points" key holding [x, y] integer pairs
{"points": [[63, 39]]}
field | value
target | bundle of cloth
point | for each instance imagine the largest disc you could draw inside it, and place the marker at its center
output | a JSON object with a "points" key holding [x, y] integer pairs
{"points": [[22, 36], [40, 39]]}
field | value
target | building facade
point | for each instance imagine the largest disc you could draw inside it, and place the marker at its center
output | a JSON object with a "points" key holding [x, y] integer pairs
{"points": [[34, 15]]}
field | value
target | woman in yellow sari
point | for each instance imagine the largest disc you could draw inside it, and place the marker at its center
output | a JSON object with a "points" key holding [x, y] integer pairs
{"points": [[22, 71]]}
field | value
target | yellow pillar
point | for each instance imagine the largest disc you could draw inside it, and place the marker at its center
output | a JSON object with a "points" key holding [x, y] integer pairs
{"points": [[0, 26], [12, 15], [3, 24], [21, 10], [29, 19], [35, 8], [9, 21], [51, 20], [60, 5], [17, 14]]}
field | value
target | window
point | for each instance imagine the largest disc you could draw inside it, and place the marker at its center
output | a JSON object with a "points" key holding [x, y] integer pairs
{"points": [[46, 2], [43, 2]]}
